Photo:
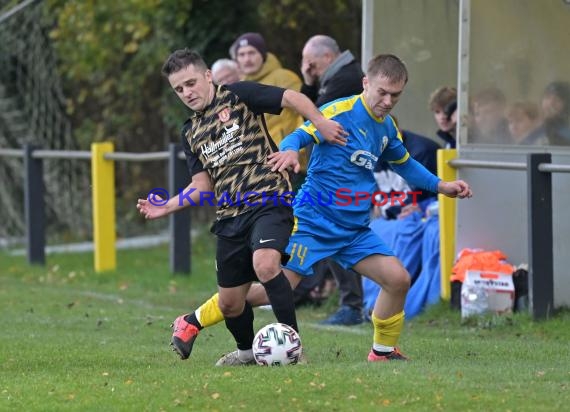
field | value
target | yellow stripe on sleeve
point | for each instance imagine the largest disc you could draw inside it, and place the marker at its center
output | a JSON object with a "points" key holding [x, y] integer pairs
{"points": [[402, 160], [312, 131], [329, 112], [398, 133], [399, 136]]}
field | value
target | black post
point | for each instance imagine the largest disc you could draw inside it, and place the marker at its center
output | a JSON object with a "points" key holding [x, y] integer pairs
{"points": [[180, 246], [34, 207], [541, 278]]}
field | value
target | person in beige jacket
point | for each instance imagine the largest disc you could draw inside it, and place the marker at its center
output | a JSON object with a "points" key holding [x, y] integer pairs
{"points": [[258, 65]]}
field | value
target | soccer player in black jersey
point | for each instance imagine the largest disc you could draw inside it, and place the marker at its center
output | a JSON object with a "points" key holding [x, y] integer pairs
{"points": [[226, 145]]}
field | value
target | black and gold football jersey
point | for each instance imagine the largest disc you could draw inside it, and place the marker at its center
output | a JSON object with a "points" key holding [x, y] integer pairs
{"points": [[229, 140]]}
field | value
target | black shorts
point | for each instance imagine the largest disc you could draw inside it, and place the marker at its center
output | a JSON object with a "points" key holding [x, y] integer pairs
{"points": [[238, 237]]}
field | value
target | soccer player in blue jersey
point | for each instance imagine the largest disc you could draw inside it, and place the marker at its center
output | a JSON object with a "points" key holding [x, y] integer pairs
{"points": [[339, 228]]}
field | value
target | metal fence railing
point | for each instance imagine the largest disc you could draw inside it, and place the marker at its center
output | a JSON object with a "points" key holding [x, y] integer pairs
{"points": [[538, 167], [102, 158]]}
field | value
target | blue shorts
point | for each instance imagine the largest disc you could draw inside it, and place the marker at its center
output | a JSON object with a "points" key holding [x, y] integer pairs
{"points": [[315, 238]]}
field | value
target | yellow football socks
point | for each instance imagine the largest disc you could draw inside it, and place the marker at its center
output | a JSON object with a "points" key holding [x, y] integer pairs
{"points": [[209, 312], [387, 331]]}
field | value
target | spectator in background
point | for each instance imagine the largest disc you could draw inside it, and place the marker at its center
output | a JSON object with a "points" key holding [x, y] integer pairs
{"points": [[259, 66], [329, 74], [525, 124], [489, 117], [443, 104], [556, 112], [225, 71]]}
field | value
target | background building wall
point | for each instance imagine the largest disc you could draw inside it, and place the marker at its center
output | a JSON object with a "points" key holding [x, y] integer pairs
{"points": [[424, 34]]}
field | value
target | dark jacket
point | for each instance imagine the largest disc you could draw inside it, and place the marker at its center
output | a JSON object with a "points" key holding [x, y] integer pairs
{"points": [[448, 139]]}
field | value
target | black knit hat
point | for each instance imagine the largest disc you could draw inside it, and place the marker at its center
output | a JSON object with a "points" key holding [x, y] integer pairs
{"points": [[251, 39]]}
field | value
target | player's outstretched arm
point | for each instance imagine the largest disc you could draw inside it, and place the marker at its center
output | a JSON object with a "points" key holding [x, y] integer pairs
{"points": [[332, 131], [156, 207], [457, 188]]}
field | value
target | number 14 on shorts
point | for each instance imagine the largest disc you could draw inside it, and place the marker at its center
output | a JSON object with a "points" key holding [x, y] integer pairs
{"points": [[298, 251]]}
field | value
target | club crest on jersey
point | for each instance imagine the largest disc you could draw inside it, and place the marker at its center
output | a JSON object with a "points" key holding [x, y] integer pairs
{"points": [[224, 115], [384, 143]]}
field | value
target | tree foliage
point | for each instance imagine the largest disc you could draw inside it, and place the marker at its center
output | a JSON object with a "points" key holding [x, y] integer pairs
{"points": [[287, 24], [111, 52]]}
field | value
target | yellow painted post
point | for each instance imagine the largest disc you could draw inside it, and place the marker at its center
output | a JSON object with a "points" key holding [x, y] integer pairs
{"points": [[103, 183], [447, 212]]}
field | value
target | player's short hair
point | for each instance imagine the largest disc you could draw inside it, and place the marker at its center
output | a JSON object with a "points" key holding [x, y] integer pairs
{"points": [[442, 97], [181, 59], [389, 66]]}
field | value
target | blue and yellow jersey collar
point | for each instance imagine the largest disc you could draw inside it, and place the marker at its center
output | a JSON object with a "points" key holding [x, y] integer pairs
{"points": [[378, 119]]}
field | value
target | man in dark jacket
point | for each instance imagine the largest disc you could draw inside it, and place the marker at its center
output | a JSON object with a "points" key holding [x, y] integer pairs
{"points": [[329, 74]]}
